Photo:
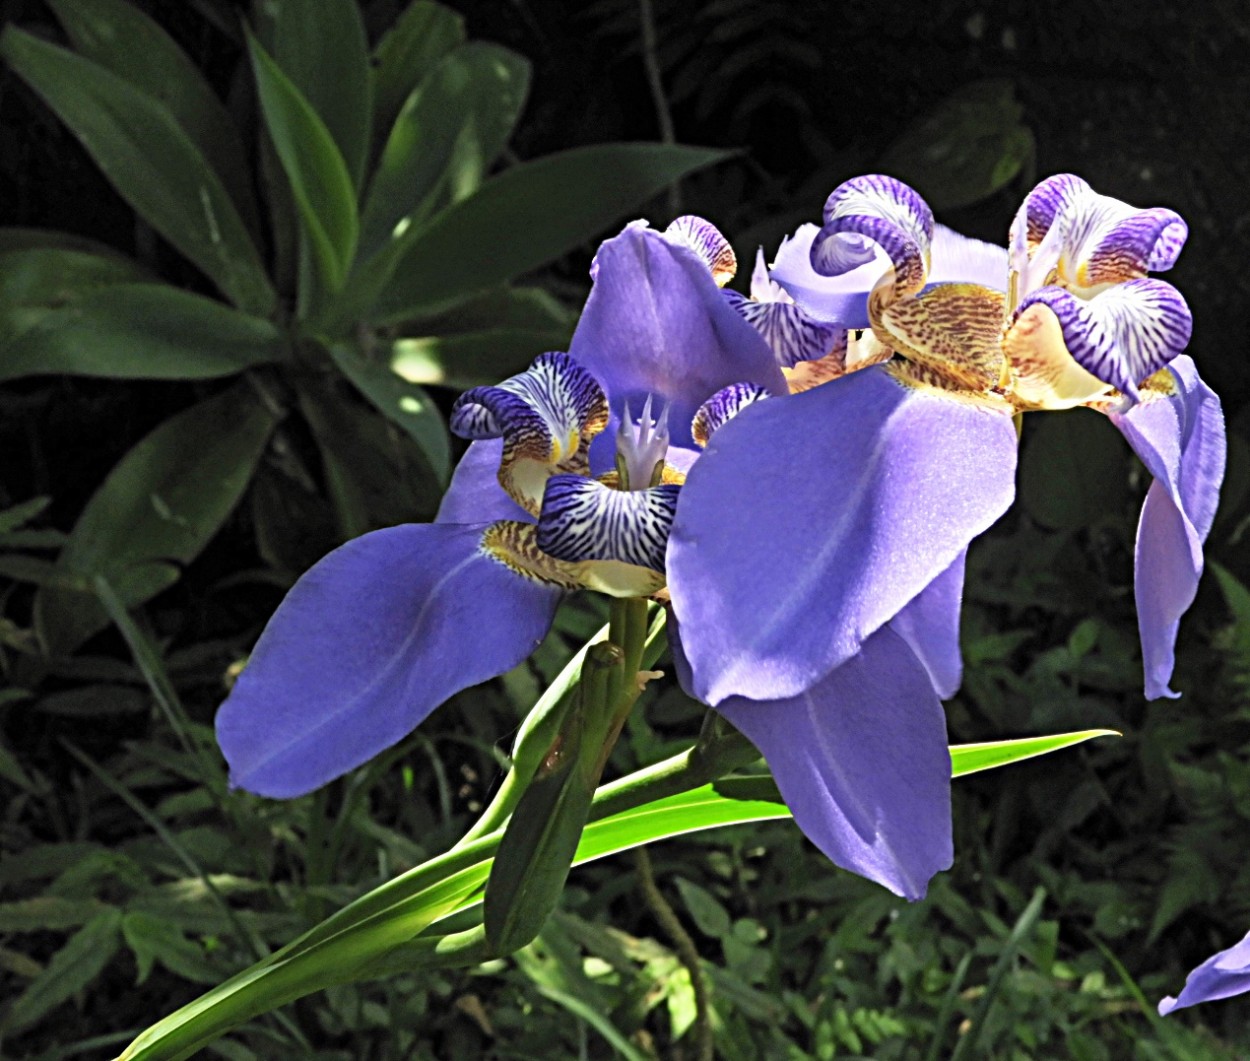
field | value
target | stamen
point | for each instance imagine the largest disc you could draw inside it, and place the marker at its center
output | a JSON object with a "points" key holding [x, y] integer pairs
{"points": [[641, 447]]}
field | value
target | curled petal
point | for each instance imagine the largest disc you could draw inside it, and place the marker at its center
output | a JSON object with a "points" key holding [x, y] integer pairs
{"points": [[584, 520], [656, 324], [546, 416], [807, 524], [1064, 350], [1221, 976], [930, 626], [722, 407], [706, 241], [1181, 441], [372, 639], [790, 332], [1101, 240], [888, 213], [862, 762], [843, 299]]}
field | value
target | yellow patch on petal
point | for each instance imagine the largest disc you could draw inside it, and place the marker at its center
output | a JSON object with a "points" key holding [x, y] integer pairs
{"points": [[515, 544], [953, 330], [860, 352], [924, 378], [669, 474], [1161, 384], [1043, 374]]}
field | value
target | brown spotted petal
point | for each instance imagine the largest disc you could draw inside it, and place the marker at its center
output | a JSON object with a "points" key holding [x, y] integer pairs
{"points": [[546, 417], [706, 240]]}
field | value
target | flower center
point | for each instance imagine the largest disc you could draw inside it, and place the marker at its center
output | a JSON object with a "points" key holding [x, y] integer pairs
{"points": [[641, 447]]}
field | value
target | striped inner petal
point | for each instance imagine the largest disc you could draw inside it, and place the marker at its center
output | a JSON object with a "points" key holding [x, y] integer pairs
{"points": [[883, 211], [722, 407], [546, 416], [1065, 351], [706, 241], [789, 331], [582, 519]]}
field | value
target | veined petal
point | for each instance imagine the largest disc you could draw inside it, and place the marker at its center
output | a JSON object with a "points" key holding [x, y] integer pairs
{"points": [[885, 211], [930, 626], [1065, 351], [372, 639], [807, 524], [584, 520], [790, 332], [862, 762], [474, 494], [706, 241], [1221, 976], [1102, 240], [722, 407], [516, 544], [546, 416], [656, 324], [1181, 441], [959, 259]]}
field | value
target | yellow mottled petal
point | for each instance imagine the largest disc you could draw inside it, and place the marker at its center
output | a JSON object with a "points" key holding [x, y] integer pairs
{"points": [[515, 544], [924, 378], [1044, 375], [954, 330]]}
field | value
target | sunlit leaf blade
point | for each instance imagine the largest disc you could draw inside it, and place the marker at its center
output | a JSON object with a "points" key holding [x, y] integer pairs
{"points": [[121, 38], [153, 164], [314, 167], [970, 758], [448, 132], [403, 403], [126, 331], [527, 216], [351, 943], [157, 509], [407, 52], [320, 46], [473, 360]]}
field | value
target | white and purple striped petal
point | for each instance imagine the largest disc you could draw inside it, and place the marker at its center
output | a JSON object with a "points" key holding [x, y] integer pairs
{"points": [[1181, 441], [1120, 337], [862, 762], [809, 523], [546, 416], [1222, 975], [582, 519], [367, 643], [722, 407], [1102, 240], [656, 325], [790, 332], [886, 212], [706, 241]]}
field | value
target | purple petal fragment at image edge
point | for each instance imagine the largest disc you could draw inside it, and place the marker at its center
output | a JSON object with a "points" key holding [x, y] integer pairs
{"points": [[862, 762], [810, 522], [1181, 441], [1221, 976], [372, 639]]}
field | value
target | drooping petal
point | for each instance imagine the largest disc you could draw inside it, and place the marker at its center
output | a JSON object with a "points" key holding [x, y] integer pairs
{"points": [[843, 299], [930, 626], [706, 241], [1221, 976], [1102, 240], [1065, 350], [474, 494], [546, 416], [656, 324], [862, 762], [372, 639], [809, 523], [1181, 441], [890, 214], [584, 520]]}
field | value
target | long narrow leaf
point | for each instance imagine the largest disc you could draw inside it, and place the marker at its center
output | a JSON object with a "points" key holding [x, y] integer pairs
{"points": [[407, 52], [121, 38], [150, 160]]}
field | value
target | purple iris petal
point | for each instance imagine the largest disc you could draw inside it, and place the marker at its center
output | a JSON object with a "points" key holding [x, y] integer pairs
{"points": [[474, 495], [844, 299], [861, 761], [656, 324], [1180, 439], [930, 626], [372, 639], [1220, 976], [810, 522]]}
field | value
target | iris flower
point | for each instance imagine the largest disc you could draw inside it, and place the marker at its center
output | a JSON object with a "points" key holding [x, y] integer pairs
{"points": [[1221, 976]]}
